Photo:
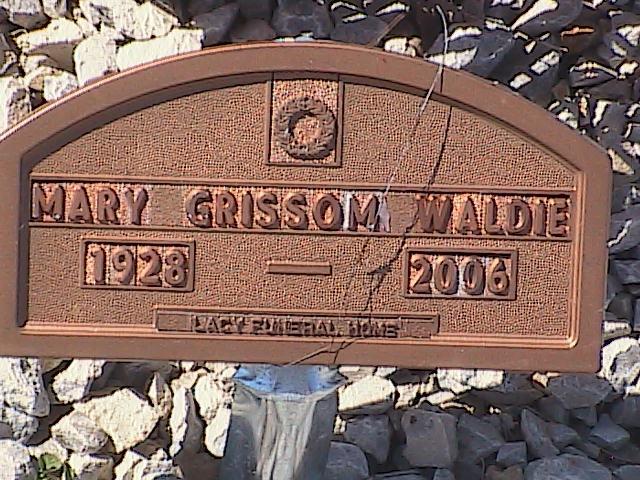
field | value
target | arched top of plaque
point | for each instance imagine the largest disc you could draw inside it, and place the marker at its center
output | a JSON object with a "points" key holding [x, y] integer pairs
{"points": [[282, 195]]}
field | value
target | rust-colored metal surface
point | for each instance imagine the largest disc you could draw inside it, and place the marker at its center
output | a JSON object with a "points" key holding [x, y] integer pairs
{"points": [[274, 203]]}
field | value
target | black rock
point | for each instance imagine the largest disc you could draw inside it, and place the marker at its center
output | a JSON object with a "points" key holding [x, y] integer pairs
{"points": [[346, 11], [632, 133], [623, 196], [507, 10], [368, 31], [293, 19], [566, 111], [625, 230], [198, 7], [217, 24], [174, 7], [614, 287], [636, 316], [616, 90], [628, 271], [387, 10], [622, 306], [252, 30], [586, 73], [262, 9], [8, 56]]}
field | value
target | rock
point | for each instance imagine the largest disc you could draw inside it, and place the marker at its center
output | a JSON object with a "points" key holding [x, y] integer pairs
{"points": [[588, 415], [369, 395], [626, 412], [91, 467], [252, 30], [621, 363], [94, 57], [431, 438], [160, 395], [74, 382], [216, 24], [354, 373], [346, 462], [534, 431], [210, 395], [478, 439], [515, 389], [57, 40], [546, 16], [443, 474], [16, 424], [26, 13], [78, 433], [372, 434], [51, 447], [8, 56], [512, 453], [403, 45], [58, 85], [185, 427], [512, 473], [134, 466], [187, 379], [291, 19], [566, 467], [608, 434], [125, 417], [137, 21], [36, 69], [15, 462], [579, 391], [256, 9], [627, 271], [179, 40], [196, 7], [552, 409], [561, 435], [21, 378], [367, 31], [215, 433], [54, 8], [405, 475], [627, 472], [618, 329], [461, 380]]}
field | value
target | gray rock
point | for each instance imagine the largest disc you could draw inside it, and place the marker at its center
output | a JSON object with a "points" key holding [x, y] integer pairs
{"points": [[73, 383], [252, 30], [78, 433], [22, 386], [15, 462], [512, 473], [477, 439], [552, 409], [443, 474], [627, 271], [368, 31], [534, 431], [216, 24], [404, 475], [626, 412], [294, 18], [196, 7], [431, 438], [512, 453], [588, 415], [579, 391], [256, 9], [566, 467], [546, 16], [346, 462], [561, 435], [627, 472], [515, 389], [372, 434], [608, 434]]}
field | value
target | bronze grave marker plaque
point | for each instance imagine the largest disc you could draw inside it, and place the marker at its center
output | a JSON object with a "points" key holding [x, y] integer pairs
{"points": [[275, 203]]}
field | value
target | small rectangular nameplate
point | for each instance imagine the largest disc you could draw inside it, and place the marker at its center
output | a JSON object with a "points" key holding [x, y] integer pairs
{"points": [[297, 324]]}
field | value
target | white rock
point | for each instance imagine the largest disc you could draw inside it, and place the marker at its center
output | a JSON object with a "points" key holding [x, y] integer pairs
{"points": [[184, 424], [461, 380], [57, 40], [78, 433], [438, 398], [140, 22], [49, 364], [34, 78], [21, 384], [88, 29], [54, 8], [130, 466], [615, 329], [187, 379], [215, 434], [160, 395], [73, 383], [222, 370], [50, 446], [15, 462], [371, 394], [134, 466], [125, 417], [94, 57], [353, 373], [621, 363], [179, 40], [210, 395], [26, 13], [58, 85], [17, 424], [91, 467], [402, 45]]}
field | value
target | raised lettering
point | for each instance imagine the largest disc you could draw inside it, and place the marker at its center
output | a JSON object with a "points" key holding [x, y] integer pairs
{"points": [[297, 218], [246, 207], [434, 214], [365, 217], [226, 209], [558, 217], [468, 221], [80, 210], [107, 206], [327, 212], [518, 217], [199, 213], [539, 218], [136, 203], [52, 206], [266, 204], [491, 225]]}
